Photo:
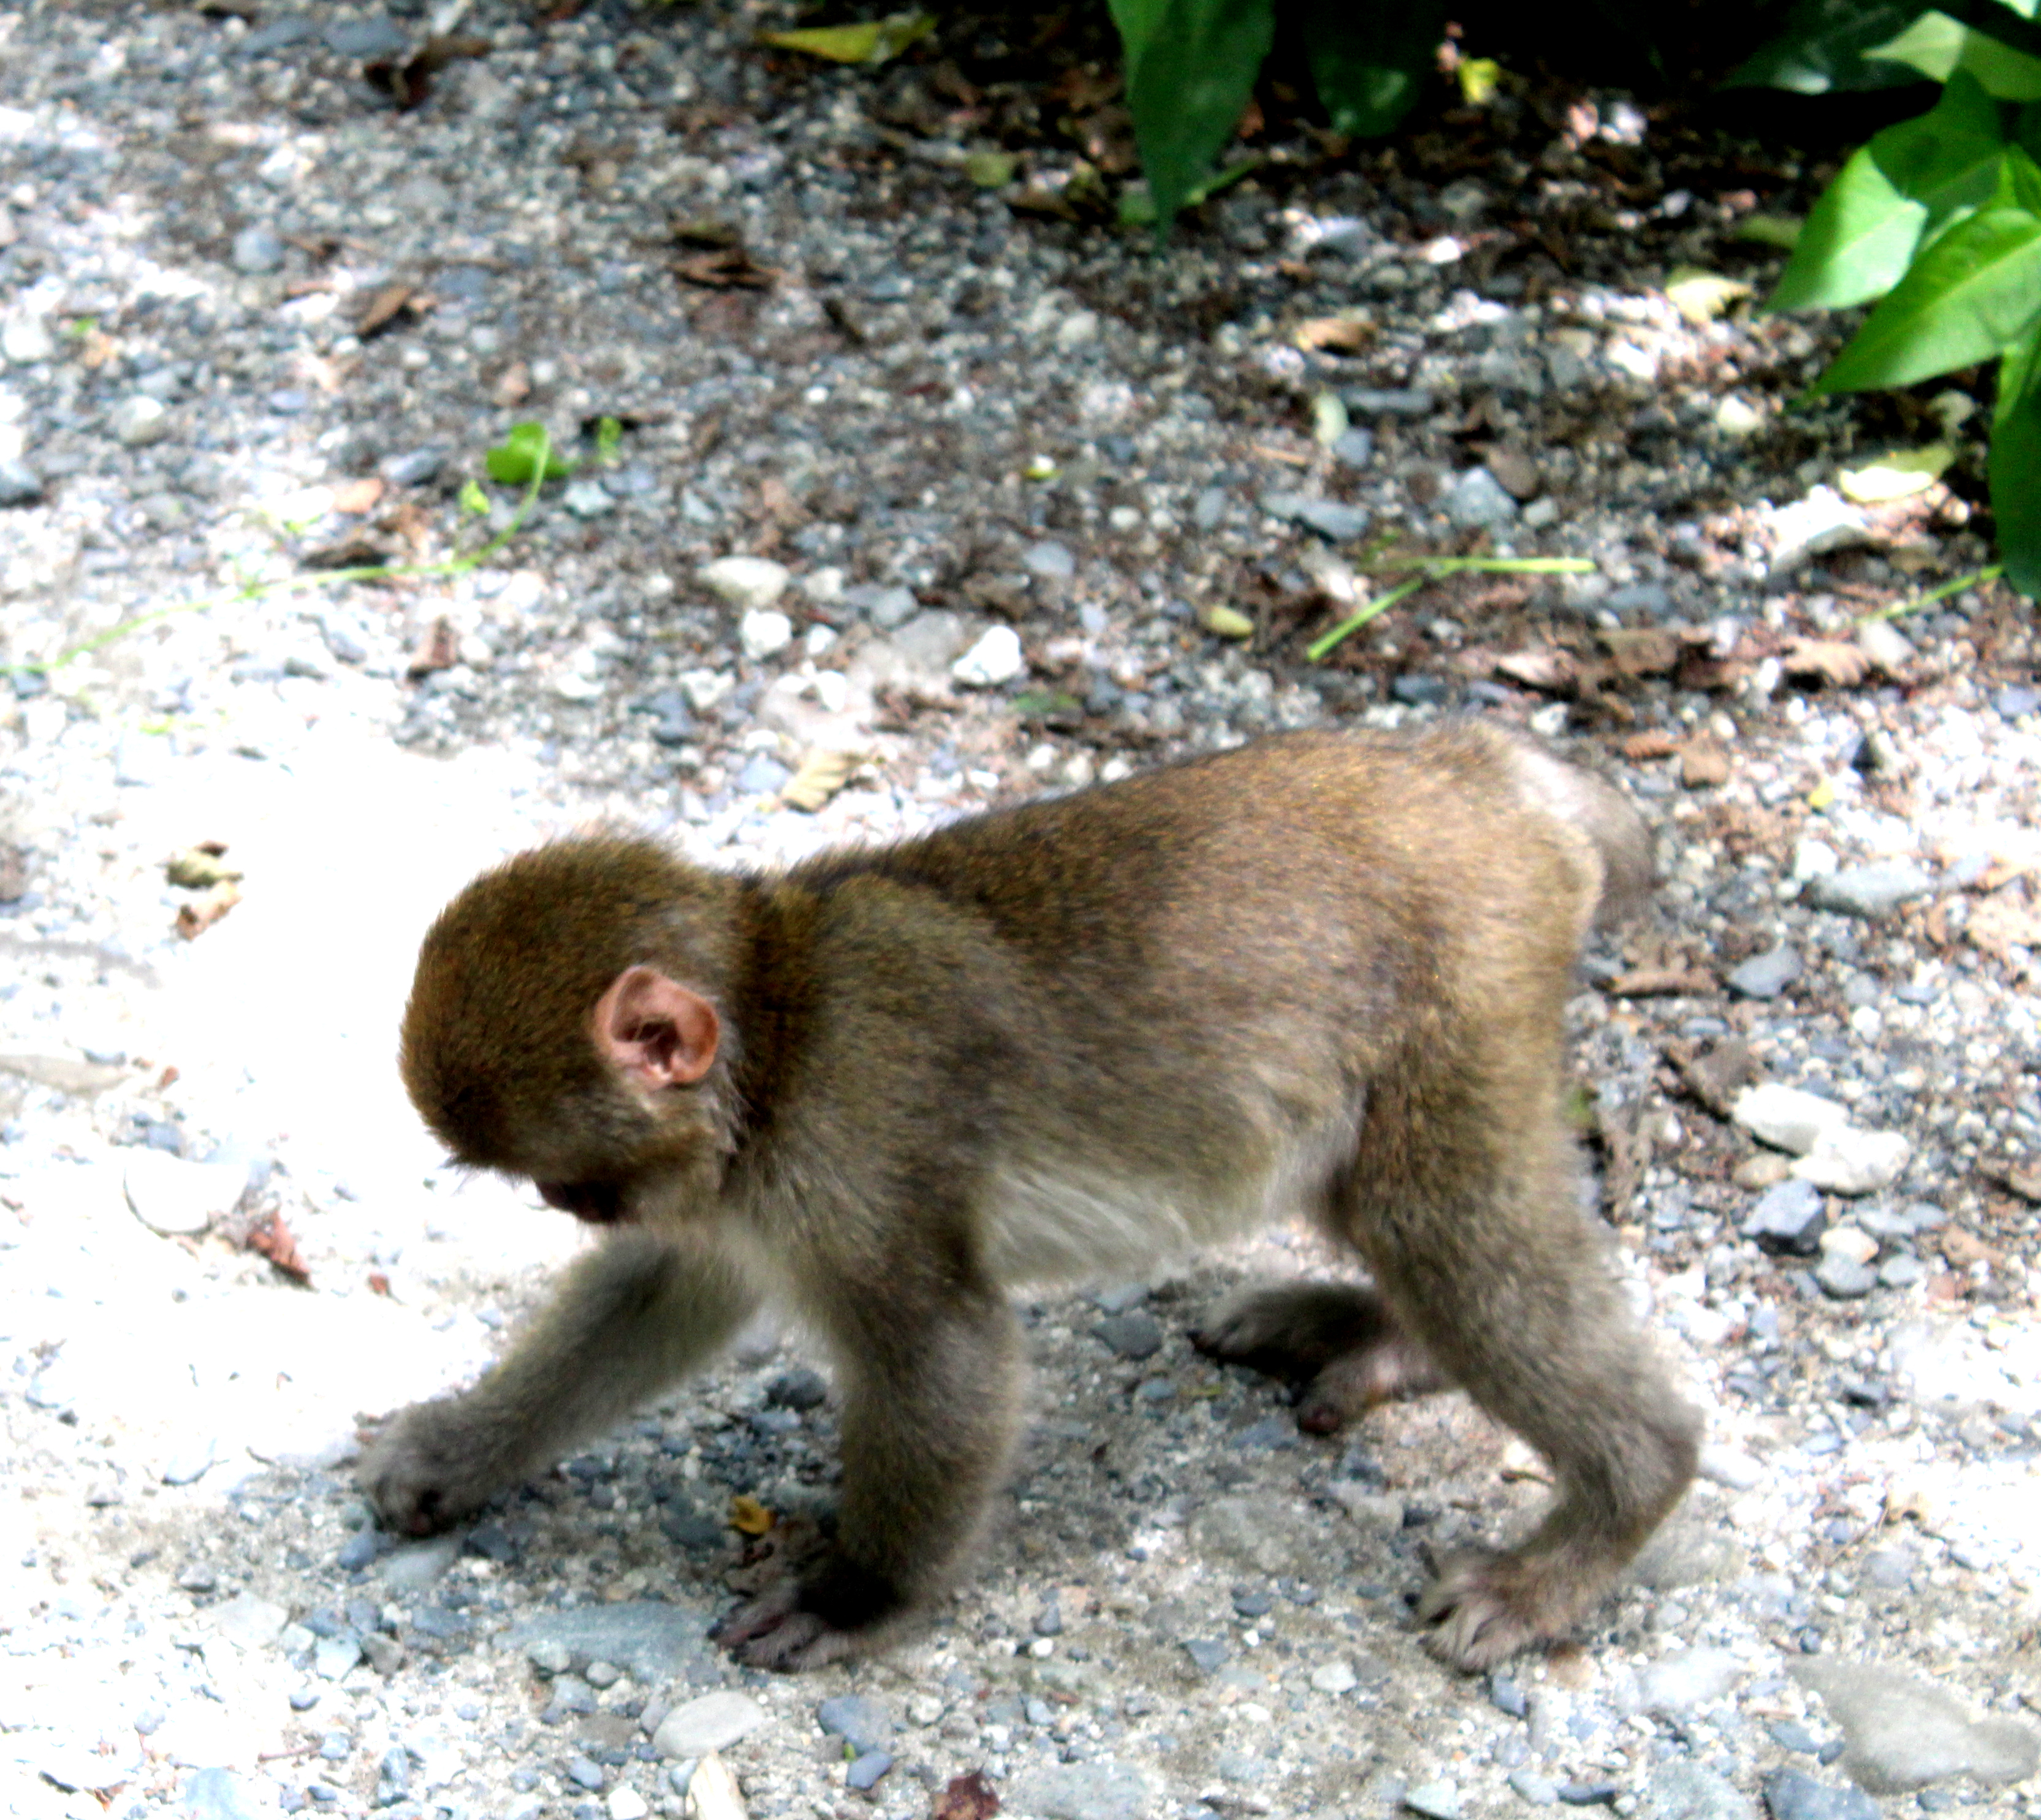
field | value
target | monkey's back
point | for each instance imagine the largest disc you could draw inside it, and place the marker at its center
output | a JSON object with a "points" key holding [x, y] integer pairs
{"points": [[1190, 980]]}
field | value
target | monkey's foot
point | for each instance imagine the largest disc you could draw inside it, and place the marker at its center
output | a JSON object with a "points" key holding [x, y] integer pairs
{"points": [[1485, 1606], [773, 1631], [1339, 1345], [423, 1471]]}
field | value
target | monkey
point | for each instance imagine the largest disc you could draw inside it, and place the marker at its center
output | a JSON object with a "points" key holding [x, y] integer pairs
{"points": [[1322, 973]]}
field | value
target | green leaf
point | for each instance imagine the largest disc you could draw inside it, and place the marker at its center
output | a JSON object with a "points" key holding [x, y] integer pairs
{"points": [[1936, 46], [1970, 296], [1822, 49], [1191, 66], [608, 435], [2015, 465], [515, 461], [871, 41], [1370, 61], [1908, 184], [1137, 207], [473, 501]]}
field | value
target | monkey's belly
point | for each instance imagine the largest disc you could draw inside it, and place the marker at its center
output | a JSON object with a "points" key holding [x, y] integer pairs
{"points": [[1054, 1220]]}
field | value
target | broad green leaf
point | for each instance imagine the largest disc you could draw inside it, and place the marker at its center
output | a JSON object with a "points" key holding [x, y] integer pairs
{"points": [[1822, 49], [1935, 45], [1905, 185], [1972, 294], [1370, 60], [1897, 475], [1191, 66], [870, 41], [515, 460], [2015, 465]]}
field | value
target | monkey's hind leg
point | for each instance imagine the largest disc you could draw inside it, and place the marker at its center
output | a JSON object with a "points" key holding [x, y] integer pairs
{"points": [[1487, 1260], [632, 1317], [1338, 1343]]}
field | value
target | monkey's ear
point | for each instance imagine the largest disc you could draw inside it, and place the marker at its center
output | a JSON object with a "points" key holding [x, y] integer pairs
{"points": [[656, 1031]]}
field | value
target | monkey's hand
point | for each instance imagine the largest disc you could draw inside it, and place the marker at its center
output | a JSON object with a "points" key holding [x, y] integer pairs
{"points": [[1486, 1605], [431, 1466], [820, 1611]]}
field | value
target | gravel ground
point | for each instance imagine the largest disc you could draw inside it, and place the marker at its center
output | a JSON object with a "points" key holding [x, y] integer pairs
{"points": [[1018, 506]]}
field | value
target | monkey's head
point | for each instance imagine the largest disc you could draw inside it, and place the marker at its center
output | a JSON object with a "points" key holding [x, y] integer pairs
{"points": [[562, 1023]]}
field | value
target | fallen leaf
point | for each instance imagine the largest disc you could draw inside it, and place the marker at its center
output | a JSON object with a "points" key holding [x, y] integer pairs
{"points": [[408, 83], [379, 1284], [1226, 621], [1644, 651], [990, 170], [1661, 982], [355, 497], [821, 774], [967, 1797], [1478, 79], [195, 917], [1963, 1249], [748, 1516], [1998, 924], [871, 41], [1895, 476], [383, 306], [14, 872], [513, 387], [730, 268], [1831, 660], [1348, 332], [437, 649], [1550, 671], [1701, 296], [359, 551], [1703, 764], [1714, 1078], [273, 1239], [200, 868], [1655, 743]]}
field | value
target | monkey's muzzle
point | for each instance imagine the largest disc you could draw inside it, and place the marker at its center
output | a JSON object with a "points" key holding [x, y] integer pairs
{"points": [[599, 1203]]}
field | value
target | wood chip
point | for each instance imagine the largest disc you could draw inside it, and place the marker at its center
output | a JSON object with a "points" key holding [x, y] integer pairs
{"points": [[273, 1239], [1661, 982], [355, 497], [1999, 924], [1828, 660], [1550, 672], [1643, 651], [1655, 743], [382, 308], [823, 773], [195, 917], [1703, 764], [1347, 334], [437, 648]]}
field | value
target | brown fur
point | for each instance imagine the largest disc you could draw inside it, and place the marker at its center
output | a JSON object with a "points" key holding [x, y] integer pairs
{"points": [[1324, 972]]}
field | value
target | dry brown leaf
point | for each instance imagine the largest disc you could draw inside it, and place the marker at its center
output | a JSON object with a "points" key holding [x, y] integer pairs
{"points": [[967, 1797], [1644, 651], [1831, 660], [273, 1239], [383, 306], [1660, 983], [408, 83], [437, 649], [378, 1284], [513, 387], [730, 268], [1703, 764], [14, 872], [1347, 333], [823, 773], [201, 867], [355, 497], [1553, 672], [748, 1516], [1963, 1249], [1998, 924], [195, 917], [1656, 744]]}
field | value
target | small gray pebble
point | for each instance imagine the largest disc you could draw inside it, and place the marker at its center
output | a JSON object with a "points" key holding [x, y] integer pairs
{"points": [[1130, 1336], [1539, 1791], [1792, 1796], [857, 1719], [1791, 1734], [1871, 891], [1767, 975], [219, 1794], [19, 484], [1207, 1654], [366, 38], [798, 1389], [1051, 562], [1403, 403], [865, 1770], [1844, 1278], [1435, 1800], [1476, 501], [412, 468], [1597, 1794], [1505, 1695], [1355, 447], [257, 248], [359, 1549], [1787, 1217], [2017, 700], [549, 1658], [584, 1773], [1337, 522]]}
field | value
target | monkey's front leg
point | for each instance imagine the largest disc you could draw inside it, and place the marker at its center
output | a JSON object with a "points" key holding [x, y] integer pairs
{"points": [[631, 1316], [931, 1393]]}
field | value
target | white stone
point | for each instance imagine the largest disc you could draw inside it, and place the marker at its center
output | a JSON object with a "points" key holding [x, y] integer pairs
{"points": [[249, 1621], [1850, 1242], [713, 1791], [1786, 1118], [26, 340], [763, 632], [714, 1722], [1846, 1161], [627, 1804], [705, 689], [140, 419], [1334, 1677], [996, 658], [1822, 522], [745, 582], [171, 1196]]}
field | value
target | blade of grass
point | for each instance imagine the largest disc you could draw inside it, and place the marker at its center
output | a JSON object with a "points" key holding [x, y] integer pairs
{"points": [[1977, 578]]}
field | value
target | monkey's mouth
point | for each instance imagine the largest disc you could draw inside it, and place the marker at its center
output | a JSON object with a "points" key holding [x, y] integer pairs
{"points": [[599, 1203]]}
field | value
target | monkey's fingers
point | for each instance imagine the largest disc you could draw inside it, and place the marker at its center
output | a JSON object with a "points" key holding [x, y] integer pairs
{"points": [[773, 1632], [1486, 1606]]}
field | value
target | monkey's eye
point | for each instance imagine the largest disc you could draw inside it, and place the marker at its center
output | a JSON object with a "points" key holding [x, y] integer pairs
{"points": [[600, 1203]]}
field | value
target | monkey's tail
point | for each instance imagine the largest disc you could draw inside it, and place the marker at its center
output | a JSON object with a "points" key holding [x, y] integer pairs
{"points": [[1617, 842]]}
